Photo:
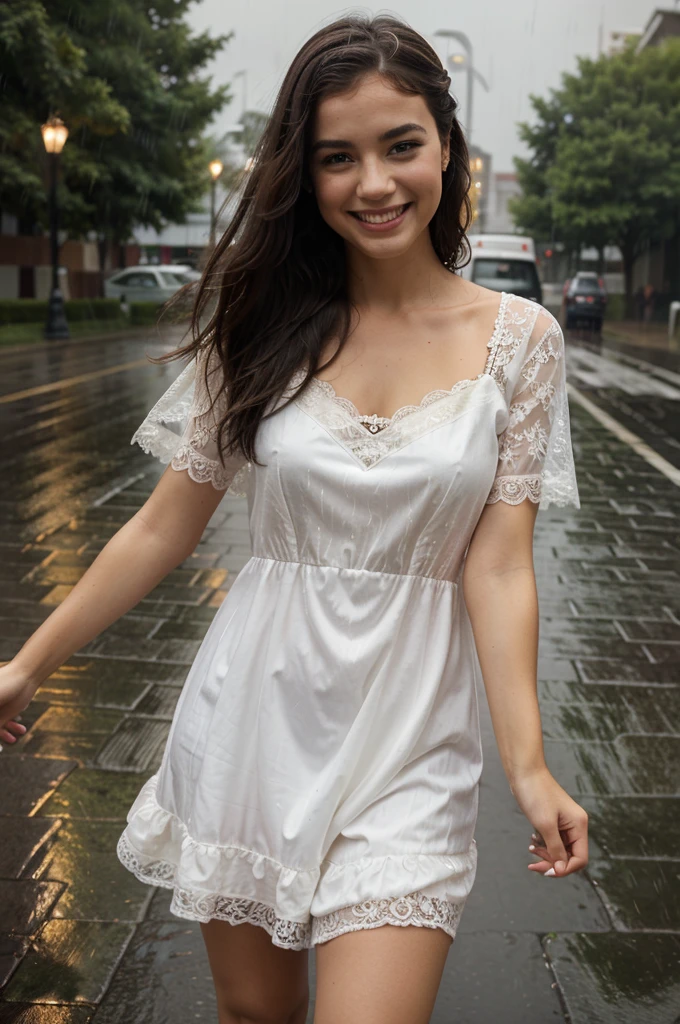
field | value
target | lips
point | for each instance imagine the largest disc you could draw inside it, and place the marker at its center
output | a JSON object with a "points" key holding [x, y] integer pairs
{"points": [[380, 216]]}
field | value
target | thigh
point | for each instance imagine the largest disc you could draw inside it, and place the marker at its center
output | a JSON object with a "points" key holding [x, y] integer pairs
{"points": [[253, 977], [385, 975]]}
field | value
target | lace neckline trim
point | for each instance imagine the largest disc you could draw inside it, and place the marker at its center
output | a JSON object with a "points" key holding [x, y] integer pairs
{"points": [[373, 423]]}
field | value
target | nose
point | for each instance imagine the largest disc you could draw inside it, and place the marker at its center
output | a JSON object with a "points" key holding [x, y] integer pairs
{"points": [[375, 181]]}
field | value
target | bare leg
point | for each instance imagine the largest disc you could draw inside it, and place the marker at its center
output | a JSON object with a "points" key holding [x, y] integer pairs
{"points": [[256, 982], [385, 975]]}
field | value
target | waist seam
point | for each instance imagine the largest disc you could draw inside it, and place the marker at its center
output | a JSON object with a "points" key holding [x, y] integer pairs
{"points": [[346, 568]]}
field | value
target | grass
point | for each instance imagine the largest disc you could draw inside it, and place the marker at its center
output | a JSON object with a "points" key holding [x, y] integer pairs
{"points": [[24, 334]]}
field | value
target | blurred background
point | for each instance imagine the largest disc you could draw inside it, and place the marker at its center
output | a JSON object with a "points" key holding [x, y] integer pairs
{"points": [[570, 110]]}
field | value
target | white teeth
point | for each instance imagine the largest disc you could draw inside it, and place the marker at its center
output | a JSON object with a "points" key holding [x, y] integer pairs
{"points": [[381, 218]]}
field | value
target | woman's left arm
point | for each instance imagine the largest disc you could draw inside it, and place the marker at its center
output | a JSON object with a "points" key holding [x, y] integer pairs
{"points": [[499, 586]]}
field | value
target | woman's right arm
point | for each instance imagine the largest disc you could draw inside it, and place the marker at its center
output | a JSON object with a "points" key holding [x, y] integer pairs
{"points": [[156, 540]]}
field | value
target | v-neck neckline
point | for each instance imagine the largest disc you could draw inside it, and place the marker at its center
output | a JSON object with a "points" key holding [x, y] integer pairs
{"points": [[387, 422]]}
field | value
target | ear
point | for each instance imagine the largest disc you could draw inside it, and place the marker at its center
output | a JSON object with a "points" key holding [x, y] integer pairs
{"points": [[446, 155]]}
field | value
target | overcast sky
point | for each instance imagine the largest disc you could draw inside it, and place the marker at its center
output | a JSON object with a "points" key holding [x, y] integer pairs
{"points": [[520, 47]]}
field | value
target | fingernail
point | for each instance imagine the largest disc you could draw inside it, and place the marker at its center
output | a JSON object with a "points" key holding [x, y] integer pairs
{"points": [[560, 865], [550, 871]]}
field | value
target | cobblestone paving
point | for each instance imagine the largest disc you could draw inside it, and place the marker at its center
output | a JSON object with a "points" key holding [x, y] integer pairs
{"points": [[82, 940]]}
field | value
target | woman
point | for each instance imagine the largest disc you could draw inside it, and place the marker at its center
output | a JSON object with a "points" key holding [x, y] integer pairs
{"points": [[322, 771]]}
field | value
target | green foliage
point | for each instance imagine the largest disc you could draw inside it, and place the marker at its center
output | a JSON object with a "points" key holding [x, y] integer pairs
{"points": [[22, 334], [144, 313], [605, 154], [127, 80], [25, 311]]}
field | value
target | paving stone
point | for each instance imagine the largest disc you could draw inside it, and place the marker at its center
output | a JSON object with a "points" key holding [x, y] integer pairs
{"points": [[96, 795], [26, 903], [496, 977], [664, 654], [159, 702], [98, 887], [182, 652], [105, 683], [12, 948], [120, 648], [164, 977], [590, 721], [82, 747], [576, 628], [595, 647], [172, 629], [28, 1013], [26, 782], [615, 978], [598, 670], [137, 744], [23, 839], [630, 890], [69, 962], [633, 826], [79, 720], [631, 764], [635, 629]]}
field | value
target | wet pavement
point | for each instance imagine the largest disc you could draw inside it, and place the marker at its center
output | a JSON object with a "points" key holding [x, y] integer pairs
{"points": [[82, 940]]}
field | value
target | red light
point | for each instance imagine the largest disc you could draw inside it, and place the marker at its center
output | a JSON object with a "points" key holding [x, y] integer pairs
{"points": [[548, 253]]}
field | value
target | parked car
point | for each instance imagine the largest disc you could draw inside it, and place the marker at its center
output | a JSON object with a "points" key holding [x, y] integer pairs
{"points": [[505, 263], [585, 300], [148, 283]]}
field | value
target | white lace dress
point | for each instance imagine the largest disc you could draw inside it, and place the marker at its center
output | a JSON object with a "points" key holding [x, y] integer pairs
{"points": [[322, 769]]}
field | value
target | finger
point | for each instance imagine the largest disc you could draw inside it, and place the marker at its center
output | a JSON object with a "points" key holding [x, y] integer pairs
{"points": [[579, 855], [16, 727], [6, 736], [541, 867], [557, 852]]}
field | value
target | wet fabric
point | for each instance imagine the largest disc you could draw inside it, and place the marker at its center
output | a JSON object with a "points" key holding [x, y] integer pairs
{"points": [[322, 768]]}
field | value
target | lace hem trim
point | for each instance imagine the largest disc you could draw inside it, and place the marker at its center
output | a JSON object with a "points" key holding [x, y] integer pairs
{"points": [[514, 489], [416, 908]]}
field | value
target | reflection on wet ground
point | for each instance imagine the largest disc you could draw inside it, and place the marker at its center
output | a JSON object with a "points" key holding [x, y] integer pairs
{"points": [[82, 940]]}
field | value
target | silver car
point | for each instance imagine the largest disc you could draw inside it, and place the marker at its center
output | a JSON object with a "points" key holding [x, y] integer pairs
{"points": [[147, 283]]}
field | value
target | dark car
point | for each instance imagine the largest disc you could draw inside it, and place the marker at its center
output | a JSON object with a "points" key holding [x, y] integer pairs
{"points": [[585, 301]]}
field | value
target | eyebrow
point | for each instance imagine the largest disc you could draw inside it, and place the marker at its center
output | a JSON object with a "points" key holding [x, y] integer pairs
{"points": [[392, 133]]}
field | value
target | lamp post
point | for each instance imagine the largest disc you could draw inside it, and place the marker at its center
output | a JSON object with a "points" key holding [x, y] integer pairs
{"points": [[55, 134], [464, 41], [215, 167]]}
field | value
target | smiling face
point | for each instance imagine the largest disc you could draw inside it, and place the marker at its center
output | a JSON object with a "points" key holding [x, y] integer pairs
{"points": [[376, 166]]}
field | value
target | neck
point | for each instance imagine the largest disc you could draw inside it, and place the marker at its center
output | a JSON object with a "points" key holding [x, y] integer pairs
{"points": [[390, 286]]}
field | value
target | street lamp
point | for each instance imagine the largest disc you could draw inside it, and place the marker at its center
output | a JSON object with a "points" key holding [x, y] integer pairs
{"points": [[215, 167], [55, 134], [466, 63]]}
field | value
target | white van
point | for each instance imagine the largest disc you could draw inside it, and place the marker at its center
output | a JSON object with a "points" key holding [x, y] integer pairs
{"points": [[505, 263]]}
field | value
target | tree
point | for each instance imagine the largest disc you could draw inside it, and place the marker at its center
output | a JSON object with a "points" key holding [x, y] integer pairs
{"points": [[43, 70], [605, 166], [140, 157]]}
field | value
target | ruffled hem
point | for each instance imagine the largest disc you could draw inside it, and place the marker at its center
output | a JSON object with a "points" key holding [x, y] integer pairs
{"points": [[229, 883]]}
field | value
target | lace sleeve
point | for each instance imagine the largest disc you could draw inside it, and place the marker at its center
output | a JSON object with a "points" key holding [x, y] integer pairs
{"points": [[535, 457], [182, 429]]}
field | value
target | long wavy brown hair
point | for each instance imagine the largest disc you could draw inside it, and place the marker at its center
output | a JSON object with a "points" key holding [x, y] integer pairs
{"points": [[274, 288]]}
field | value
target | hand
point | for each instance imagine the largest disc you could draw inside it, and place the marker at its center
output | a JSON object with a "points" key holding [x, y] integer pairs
{"points": [[561, 836], [16, 693]]}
